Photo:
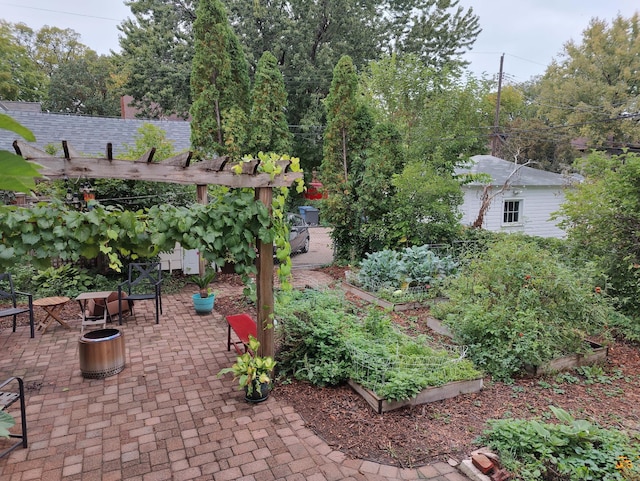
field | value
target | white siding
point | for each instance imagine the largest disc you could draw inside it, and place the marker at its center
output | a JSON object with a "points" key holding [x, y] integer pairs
{"points": [[537, 205]]}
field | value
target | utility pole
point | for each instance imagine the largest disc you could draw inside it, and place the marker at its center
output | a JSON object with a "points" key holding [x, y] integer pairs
{"points": [[496, 123]]}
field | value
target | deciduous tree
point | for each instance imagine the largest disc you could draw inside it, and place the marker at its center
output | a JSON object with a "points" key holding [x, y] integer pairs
{"points": [[83, 86], [20, 76], [307, 37], [602, 219], [593, 88]]}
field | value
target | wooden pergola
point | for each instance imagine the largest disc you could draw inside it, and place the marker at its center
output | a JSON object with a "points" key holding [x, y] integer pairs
{"points": [[180, 170]]}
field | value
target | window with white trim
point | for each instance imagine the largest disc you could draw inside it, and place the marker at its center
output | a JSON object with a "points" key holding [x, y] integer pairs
{"points": [[512, 211]]}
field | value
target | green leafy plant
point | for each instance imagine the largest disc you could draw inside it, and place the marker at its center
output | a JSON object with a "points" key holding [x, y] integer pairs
{"points": [[571, 449], [67, 280], [517, 305], [17, 174], [326, 340], [310, 335], [6, 422], [382, 269], [226, 226], [203, 282], [251, 371], [415, 273]]}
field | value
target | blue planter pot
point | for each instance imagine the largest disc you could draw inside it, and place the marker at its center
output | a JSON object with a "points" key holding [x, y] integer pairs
{"points": [[203, 305]]}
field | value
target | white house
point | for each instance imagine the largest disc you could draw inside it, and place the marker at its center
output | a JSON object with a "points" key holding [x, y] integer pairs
{"points": [[522, 198]]}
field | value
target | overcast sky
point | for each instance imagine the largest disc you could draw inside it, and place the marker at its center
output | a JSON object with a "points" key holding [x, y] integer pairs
{"points": [[529, 32]]}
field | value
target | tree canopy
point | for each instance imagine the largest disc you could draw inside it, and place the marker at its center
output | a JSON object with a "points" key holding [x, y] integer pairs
{"points": [[306, 37], [601, 216], [592, 90]]}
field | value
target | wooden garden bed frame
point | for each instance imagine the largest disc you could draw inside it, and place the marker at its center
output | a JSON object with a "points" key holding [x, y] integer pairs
{"points": [[428, 395]]}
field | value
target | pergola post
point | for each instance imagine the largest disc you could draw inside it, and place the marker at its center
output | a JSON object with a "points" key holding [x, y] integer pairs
{"points": [[201, 193], [264, 283]]}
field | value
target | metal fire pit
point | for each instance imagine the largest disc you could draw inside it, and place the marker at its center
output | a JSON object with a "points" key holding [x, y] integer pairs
{"points": [[101, 353]]}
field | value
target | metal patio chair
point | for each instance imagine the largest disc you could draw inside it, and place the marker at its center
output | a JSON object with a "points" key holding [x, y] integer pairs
{"points": [[144, 283], [11, 308]]}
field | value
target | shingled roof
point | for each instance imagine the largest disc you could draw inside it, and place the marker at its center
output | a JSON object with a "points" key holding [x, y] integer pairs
{"points": [[500, 171], [90, 135]]}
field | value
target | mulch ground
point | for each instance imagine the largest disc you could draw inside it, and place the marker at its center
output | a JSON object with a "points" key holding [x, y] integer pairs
{"points": [[438, 431]]}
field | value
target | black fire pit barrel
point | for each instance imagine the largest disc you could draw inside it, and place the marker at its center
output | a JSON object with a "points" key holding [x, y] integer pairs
{"points": [[101, 353]]}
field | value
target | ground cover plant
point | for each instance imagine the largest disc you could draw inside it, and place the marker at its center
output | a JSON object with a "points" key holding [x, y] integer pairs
{"points": [[326, 340], [518, 305], [568, 449], [413, 274]]}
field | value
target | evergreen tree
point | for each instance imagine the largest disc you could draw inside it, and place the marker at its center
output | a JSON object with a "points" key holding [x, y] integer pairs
{"points": [[268, 122], [307, 37], [219, 84], [341, 105], [347, 136], [376, 192], [157, 51]]}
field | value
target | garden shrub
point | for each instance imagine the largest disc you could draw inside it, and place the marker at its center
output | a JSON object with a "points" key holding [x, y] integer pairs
{"points": [[67, 280], [570, 449], [517, 305]]}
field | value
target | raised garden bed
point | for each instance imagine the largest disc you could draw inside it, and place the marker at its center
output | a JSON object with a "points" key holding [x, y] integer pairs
{"points": [[428, 395], [436, 326], [393, 306], [597, 355]]}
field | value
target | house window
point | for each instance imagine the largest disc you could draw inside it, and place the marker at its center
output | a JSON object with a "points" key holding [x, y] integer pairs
{"points": [[511, 211]]}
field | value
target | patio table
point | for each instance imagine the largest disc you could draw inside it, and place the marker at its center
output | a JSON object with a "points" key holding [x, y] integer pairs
{"points": [[87, 319], [53, 307]]}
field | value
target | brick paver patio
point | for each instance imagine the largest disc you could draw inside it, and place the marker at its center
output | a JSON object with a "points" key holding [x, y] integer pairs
{"points": [[166, 416]]}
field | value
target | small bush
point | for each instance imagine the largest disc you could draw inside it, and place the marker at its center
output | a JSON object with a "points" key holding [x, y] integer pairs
{"points": [[517, 305], [67, 280]]}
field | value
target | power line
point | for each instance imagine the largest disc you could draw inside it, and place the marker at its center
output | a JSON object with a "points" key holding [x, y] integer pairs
{"points": [[60, 11]]}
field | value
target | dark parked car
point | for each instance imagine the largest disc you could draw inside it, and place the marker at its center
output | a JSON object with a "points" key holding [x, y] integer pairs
{"points": [[298, 233]]}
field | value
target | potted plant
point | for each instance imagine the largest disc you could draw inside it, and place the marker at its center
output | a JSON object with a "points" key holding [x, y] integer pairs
{"points": [[203, 300], [253, 372]]}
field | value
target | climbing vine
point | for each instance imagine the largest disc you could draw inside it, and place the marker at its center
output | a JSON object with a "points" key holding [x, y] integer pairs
{"points": [[273, 164], [223, 230], [226, 228]]}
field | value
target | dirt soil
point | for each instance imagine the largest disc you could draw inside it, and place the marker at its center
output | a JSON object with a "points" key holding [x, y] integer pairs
{"points": [[415, 436], [438, 431]]}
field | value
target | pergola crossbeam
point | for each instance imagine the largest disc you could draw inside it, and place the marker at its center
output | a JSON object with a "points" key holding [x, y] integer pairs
{"points": [[215, 171]]}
